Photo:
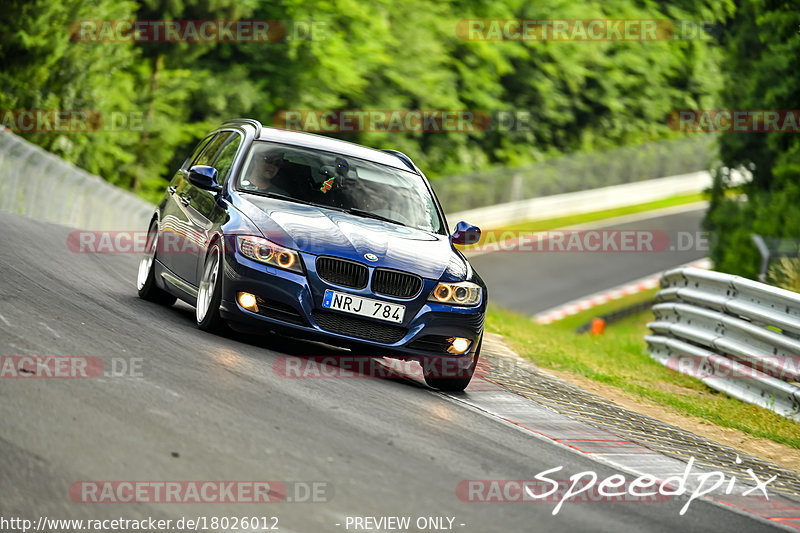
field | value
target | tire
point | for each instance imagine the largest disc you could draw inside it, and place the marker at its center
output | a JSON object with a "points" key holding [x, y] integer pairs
{"points": [[209, 294], [146, 277], [435, 373]]}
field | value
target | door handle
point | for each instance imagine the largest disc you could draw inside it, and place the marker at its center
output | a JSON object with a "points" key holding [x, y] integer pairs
{"points": [[185, 200], [172, 189]]}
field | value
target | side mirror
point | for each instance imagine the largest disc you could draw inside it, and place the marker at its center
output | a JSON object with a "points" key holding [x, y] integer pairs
{"points": [[204, 177], [466, 234]]}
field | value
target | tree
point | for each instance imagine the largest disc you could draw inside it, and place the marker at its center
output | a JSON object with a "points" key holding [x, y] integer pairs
{"points": [[762, 59], [378, 55]]}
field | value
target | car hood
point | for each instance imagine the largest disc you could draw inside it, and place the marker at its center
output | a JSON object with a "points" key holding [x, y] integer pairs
{"points": [[322, 231]]}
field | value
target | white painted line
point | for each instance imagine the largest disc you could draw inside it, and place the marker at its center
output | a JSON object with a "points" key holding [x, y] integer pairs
{"points": [[51, 330], [588, 302], [644, 215]]}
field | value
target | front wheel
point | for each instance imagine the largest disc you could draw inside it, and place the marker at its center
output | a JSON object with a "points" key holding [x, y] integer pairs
{"points": [[209, 295], [145, 278], [451, 374]]}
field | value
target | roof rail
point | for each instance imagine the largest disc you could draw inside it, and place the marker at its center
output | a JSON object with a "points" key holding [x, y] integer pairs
{"points": [[402, 157], [250, 121]]}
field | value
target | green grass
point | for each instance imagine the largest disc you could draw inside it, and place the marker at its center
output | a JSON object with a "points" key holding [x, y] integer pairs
{"points": [[584, 218], [619, 358]]}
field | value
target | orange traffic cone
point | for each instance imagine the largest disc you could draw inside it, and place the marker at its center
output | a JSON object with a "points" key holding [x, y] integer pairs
{"points": [[598, 326]]}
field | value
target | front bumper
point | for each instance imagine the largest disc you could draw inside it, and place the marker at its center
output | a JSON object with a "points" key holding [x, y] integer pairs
{"points": [[292, 304]]}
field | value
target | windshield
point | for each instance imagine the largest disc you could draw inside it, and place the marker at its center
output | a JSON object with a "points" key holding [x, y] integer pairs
{"points": [[330, 180]]}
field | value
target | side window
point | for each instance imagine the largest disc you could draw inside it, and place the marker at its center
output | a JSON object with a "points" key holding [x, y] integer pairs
{"points": [[199, 148], [213, 149], [226, 156]]}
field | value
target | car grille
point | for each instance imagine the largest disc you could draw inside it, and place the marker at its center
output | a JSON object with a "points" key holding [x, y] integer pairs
{"points": [[358, 327], [342, 272], [394, 283]]}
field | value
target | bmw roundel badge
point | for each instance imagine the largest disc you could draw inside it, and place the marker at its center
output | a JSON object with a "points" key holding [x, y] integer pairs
{"points": [[371, 257]]}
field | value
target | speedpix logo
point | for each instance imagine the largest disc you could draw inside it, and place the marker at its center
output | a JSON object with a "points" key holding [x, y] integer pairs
{"points": [[589, 487]]}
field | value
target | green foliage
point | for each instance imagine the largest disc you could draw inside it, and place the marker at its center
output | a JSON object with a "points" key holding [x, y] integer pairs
{"points": [[384, 54], [786, 274], [762, 59], [44, 70]]}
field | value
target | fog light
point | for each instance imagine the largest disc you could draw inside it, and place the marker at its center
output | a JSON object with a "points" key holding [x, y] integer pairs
{"points": [[248, 301], [458, 345]]}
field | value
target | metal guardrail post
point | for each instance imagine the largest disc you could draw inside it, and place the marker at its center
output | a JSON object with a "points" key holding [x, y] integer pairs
{"points": [[764, 251], [773, 248]]}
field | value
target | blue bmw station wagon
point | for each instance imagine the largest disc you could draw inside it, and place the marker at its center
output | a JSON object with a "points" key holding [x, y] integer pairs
{"points": [[266, 230]]}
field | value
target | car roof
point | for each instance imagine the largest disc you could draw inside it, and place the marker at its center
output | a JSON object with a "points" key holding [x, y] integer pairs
{"points": [[328, 144]]}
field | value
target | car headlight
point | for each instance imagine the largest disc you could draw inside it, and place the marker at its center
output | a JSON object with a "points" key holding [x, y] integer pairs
{"points": [[463, 293], [269, 253]]}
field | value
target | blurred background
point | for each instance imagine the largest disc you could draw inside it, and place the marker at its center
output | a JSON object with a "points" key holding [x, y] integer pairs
{"points": [[565, 115]]}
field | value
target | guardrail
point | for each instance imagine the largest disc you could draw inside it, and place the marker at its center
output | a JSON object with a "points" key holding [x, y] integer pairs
{"points": [[738, 336], [580, 202], [576, 172], [41, 185]]}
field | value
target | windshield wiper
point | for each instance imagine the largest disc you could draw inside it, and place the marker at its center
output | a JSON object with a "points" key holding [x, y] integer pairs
{"points": [[352, 210], [369, 214], [279, 196]]}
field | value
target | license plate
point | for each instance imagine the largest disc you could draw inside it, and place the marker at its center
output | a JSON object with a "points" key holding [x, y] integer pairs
{"points": [[363, 306]]}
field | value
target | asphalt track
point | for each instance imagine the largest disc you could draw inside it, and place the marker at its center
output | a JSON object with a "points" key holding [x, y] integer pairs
{"points": [[533, 281], [207, 407]]}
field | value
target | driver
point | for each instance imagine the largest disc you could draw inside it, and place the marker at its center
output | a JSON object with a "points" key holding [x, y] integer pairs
{"points": [[265, 168]]}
